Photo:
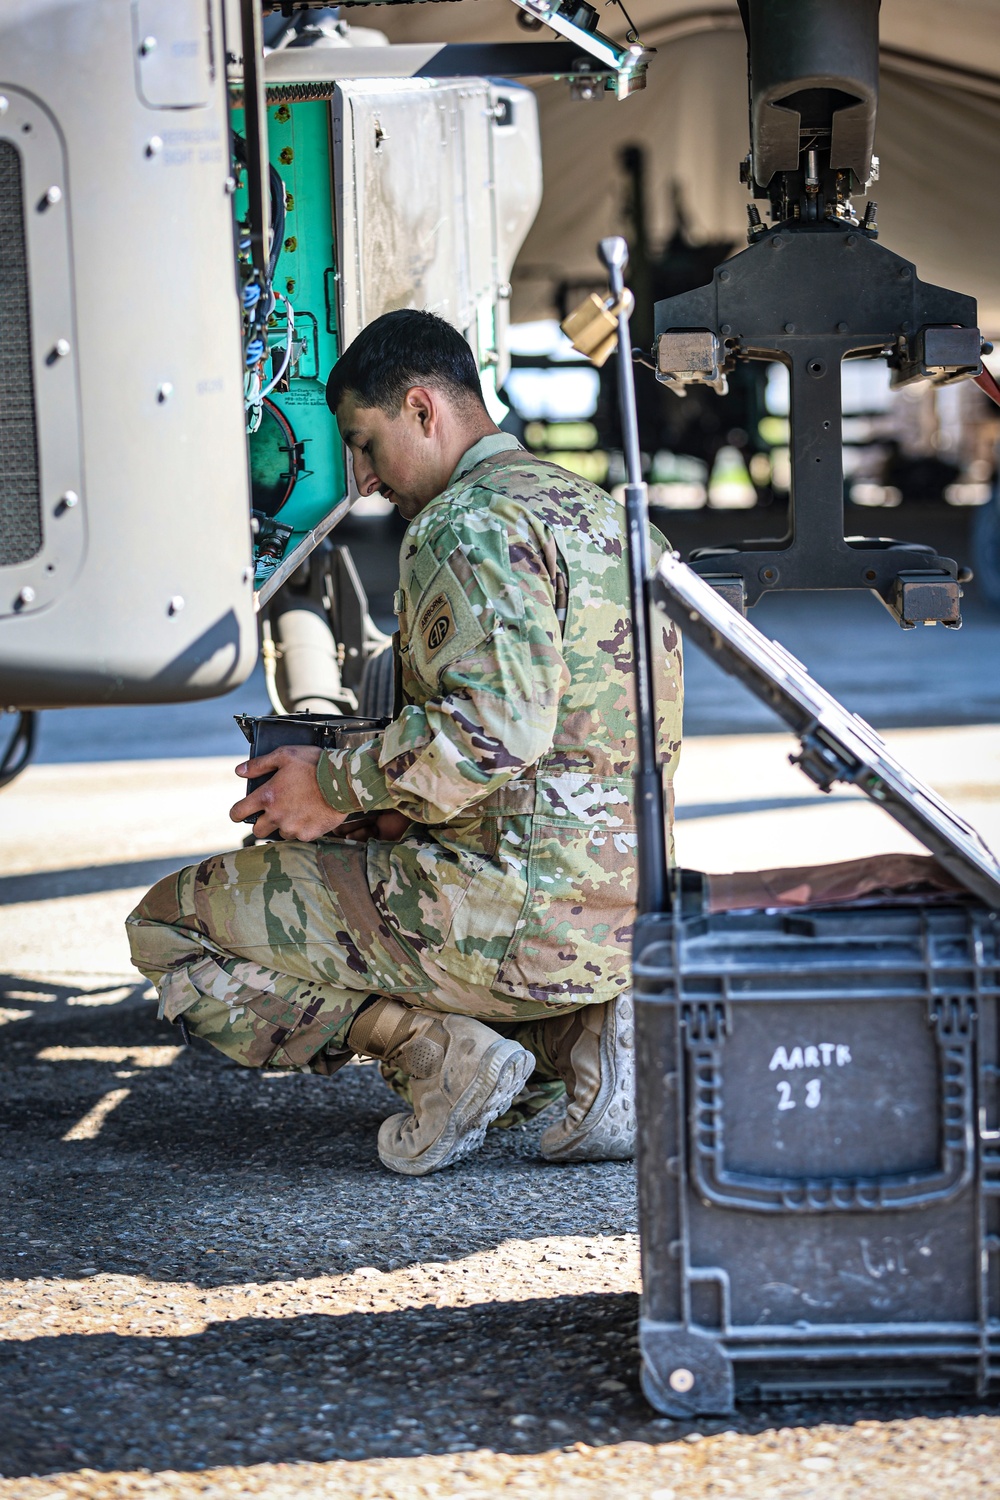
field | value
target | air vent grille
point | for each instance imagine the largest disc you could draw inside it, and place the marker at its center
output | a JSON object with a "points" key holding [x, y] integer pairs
{"points": [[20, 501]]}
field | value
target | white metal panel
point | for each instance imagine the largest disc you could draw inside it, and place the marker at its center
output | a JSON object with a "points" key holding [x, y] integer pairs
{"points": [[173, 53], [433, 198], [156, 603], [517, 176]]}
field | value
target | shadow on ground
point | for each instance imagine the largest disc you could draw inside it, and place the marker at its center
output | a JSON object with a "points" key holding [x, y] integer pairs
{"points": [[212, 1174], [206, 1183], [522, 1377], [354, 1386]]}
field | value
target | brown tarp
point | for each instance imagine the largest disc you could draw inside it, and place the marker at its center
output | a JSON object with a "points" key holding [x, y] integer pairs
{"points": [[885, 876]]}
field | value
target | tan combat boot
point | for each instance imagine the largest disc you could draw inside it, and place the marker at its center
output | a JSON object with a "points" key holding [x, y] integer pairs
{"points": [[593, 1051], [461, 1075]]}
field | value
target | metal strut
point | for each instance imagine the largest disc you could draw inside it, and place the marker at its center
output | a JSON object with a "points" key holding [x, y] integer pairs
{"points": [[652, 849]]}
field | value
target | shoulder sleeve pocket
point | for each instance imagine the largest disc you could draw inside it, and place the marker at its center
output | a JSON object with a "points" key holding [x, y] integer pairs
{"points": [[451, 619]]}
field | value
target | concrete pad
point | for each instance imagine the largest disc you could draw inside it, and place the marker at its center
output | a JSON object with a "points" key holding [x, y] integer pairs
{"points": [[742, 806], [57, 817], [83, 843]]}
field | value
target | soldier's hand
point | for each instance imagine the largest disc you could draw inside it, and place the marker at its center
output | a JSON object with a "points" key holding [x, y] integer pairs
{"points": [[388, 826], [391, 826], [291, 803]]}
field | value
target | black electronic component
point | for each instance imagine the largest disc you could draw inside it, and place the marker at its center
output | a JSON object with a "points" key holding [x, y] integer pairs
{"points": [[269, 732], [810, 292]]}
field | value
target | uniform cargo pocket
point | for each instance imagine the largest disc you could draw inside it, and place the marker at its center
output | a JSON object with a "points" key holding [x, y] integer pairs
{"points": [[574, 933]]}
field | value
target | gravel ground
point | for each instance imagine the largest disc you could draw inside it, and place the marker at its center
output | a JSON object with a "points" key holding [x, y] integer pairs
{"points": [[214, 1289]]}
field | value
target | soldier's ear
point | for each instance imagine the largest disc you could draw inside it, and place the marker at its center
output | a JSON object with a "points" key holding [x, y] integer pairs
{"points": [[423, 404]]}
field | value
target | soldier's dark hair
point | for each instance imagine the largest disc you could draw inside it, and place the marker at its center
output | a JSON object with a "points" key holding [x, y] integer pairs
{"points": [[399, 350]]}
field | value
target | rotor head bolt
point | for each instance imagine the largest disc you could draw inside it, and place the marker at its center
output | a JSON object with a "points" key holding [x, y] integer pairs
{"points": [[681, 1380]]}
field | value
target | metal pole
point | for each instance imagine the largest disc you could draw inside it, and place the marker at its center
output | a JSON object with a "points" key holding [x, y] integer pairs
{"points": [[652, 841], [255, 124]]}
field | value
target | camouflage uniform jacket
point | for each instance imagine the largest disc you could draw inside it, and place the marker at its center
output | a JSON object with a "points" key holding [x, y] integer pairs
{"points": [[514, 750]]}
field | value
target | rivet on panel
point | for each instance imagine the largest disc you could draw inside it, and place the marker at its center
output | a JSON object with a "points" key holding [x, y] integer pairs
{"points": [[4, 104], [69, 500], [680, 1380], [27, 595], [61, 348], [176, 605], [164, 391], [154, 145], [147, 45], [52, 197]]}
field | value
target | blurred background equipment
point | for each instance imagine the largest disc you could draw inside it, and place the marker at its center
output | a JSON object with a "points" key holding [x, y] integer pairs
{"points": [[812, 291]]}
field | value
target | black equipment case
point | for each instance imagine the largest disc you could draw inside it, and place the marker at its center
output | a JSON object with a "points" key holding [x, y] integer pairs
{"points": [[267, 732], [817, 1063], [819, 1097]]}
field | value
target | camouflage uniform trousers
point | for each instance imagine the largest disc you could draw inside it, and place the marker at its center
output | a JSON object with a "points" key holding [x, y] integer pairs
{"points": [[269, 952]]}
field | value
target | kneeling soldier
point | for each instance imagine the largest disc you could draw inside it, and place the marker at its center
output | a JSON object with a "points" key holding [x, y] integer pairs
{"points": [[486, 927]]}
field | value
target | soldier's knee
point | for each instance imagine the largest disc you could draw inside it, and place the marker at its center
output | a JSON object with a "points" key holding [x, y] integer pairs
{"points": [[161, 905], [157, 928]]}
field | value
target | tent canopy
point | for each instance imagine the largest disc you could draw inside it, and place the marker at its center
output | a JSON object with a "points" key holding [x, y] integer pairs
{"points": [[938, 137]]}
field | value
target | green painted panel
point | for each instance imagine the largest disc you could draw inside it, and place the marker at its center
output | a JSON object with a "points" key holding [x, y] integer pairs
{"points": [[299, 141]]}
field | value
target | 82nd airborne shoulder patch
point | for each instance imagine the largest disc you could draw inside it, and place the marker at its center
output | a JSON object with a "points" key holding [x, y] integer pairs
{"points": [[437, 624]]}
